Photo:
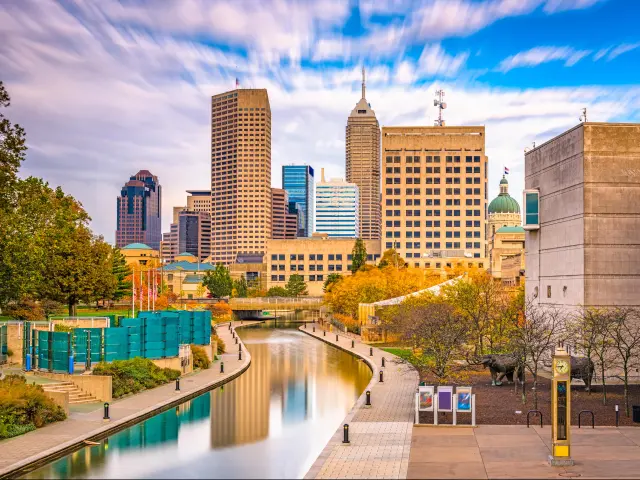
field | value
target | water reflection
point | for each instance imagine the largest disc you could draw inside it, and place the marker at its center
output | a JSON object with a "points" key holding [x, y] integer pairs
{"points": [[271, 422]]}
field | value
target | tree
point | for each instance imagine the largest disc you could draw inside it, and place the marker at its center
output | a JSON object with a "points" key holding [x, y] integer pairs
{"points": [[122, 273], [218, 281], [392, 258], [535, 337], [296, 286], [241, 287], [624, 332], [432, 325], [277, 292], [12, 152], [358, 255], [603, 346], [331, 279]]}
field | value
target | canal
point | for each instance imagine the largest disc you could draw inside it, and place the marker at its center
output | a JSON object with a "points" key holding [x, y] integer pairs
{"points": [[271, 422]]}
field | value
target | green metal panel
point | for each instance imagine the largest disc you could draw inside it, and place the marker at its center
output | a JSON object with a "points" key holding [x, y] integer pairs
{"points": [[3, 345], [116, 344], [80, 344], [53, 351]]}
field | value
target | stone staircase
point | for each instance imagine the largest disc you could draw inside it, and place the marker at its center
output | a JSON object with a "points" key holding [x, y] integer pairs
{"points": [[76, 395]]}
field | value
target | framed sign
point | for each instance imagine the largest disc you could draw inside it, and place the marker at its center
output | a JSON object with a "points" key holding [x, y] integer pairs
{"points": [[445, 399], [463, 403], [425, 399]]}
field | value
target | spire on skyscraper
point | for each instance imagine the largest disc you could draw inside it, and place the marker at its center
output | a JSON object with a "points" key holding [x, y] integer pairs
{"points": [[363, 82]]}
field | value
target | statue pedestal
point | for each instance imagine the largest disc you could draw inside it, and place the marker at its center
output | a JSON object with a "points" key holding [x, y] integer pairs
{"points": [[560, 461]]}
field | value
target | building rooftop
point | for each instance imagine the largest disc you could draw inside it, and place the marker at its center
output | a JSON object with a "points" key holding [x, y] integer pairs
{"points": [[188, 267], [504, 203], [510, 230], [137, 246], [185, 254], [192, 279]]}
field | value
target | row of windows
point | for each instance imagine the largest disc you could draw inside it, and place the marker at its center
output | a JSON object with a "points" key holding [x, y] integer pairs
{"points": [[434, 159], [397, 170], [432, 191], [432, 213], [434, 245], [417, 234], [317, 257], [432, 181], [311, 278], [312, 268], [432, 223], [416, 201]]}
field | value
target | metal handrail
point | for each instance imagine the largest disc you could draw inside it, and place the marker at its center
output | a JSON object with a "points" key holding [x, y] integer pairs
{"points": [[534, 411], [593, 418]]}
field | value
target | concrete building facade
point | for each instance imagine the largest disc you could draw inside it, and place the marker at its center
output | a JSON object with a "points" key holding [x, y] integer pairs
{"points": [[139, 211], [337, 208], [314, 258], [363, 164], [199, 201], [140, 255], [283, 223], [240, 173], [299, 183], [434, 193], [586, 251], [191, 233]]}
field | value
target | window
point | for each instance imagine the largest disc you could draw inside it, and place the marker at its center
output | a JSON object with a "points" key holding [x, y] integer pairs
{"points": [[274, 278], [300, 256], [332, 257], [292, 256], [320, 278], [281, 257], [281, 278], [320, 257], [312, 278], [274, 268], [312, 256], [548, 291], [531, 210], [312, 268], [339, 256], [274, 257]]}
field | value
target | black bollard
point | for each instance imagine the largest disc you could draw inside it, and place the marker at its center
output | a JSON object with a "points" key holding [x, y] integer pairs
{"points": [[381, 372], [240, 355], [353, 343], [240, 347], [346, 433], [336, 337], [305, 325], [177, 384], [371, 351], [617, 415], [221, 367], [314, 329], [382, 362], [106, 411], [324, 333], [368, 404], [229, 326], [236, 340]]}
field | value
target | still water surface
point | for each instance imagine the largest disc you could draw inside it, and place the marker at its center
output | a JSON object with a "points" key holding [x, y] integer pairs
{"points": [[271, 422]]}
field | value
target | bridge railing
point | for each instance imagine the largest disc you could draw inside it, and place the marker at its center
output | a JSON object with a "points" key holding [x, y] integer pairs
{"points": [[310, 301]]}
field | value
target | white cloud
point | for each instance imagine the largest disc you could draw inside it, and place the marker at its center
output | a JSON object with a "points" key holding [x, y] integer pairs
{"points": [[435, 61], [539, 55], [620, 49]]}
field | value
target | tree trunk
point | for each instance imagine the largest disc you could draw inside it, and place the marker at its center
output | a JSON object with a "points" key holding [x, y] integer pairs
{"points": [[626, 391], [535, 390], [72, 308], [604, 383], [524, 388]]}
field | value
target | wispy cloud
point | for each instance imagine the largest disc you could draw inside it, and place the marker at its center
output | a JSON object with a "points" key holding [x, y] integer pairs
{"points": [[540, 55]]}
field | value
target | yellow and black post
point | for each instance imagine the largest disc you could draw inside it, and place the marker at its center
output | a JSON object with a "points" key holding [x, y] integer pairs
{"points": [[561, 409]]}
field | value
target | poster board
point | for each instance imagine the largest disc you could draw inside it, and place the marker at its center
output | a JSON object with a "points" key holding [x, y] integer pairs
{"points": [[463, 399], [425, 398], [445, 399]]}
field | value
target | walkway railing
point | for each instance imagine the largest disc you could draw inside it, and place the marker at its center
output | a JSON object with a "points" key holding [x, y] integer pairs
{"points": [[265, 303]]}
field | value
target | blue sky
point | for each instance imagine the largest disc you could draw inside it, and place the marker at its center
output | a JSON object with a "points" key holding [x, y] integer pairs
{"points": [[106, 88]]}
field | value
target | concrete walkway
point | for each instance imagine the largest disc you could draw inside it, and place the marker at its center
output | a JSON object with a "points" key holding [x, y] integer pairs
{"points": [[380, 436], [62, 437], [515, 451]]}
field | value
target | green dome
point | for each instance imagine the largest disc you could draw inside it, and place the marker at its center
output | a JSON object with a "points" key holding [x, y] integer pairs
{"points": [[137, 246], [504, 203]]}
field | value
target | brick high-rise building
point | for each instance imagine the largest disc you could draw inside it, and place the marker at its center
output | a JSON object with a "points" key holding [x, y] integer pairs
{"points": [[139, 218], [363, 164], [283, 223], [240, 173], [434, 193]]}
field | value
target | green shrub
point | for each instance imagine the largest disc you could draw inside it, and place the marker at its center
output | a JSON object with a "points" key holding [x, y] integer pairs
{"points": [[25, 407], [200, 359], [221, 347], [61, 327], [135, 375]]}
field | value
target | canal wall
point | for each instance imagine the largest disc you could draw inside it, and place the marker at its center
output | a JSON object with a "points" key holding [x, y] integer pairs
{"points": [[35, 449], [380, 434]]}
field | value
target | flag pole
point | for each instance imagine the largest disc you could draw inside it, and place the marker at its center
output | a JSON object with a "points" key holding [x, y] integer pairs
{"points": [[133, 293], [140, 289]]}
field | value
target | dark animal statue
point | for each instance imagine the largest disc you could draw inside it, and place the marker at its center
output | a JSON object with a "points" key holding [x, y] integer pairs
{"points": [[582, 368], [501, 366]]}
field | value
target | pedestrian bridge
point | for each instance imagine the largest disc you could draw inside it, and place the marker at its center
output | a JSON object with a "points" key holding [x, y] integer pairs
{"points": [[275, 303]]}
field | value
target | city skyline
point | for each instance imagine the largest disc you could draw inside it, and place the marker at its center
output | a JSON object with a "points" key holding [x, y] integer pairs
{"points": [[142, 99]]}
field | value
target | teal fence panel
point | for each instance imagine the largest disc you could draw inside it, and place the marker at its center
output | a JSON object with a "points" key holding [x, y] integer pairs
{"points": [[44, 351], [4, 347], [54, 349], [80, 344], [116, 344]]}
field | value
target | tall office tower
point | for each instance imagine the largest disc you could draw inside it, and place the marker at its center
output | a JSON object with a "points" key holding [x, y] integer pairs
{"points": [[199, 201], [337, 205], [434, 193], [283, 223], [190, 233], [139, 218], [240, 173], [363, 164], [298, 181]]}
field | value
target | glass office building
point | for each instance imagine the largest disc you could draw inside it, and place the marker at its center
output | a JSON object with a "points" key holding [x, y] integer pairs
{"points": [[298, 182], [337, 209]]}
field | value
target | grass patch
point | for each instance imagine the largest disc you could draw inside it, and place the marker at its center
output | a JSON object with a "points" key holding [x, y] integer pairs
{"points": [[403, 353], [135, 375]]}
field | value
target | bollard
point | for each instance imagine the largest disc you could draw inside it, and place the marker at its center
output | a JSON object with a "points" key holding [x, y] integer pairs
{"points": [[314, 329], [617, 415], [368, 404], [240, 355], [106, 411], [177, 384], [240, 347], [324, 333], [382, 362], [221, 367], [353, 343], [305, 325], [229, 326], [236, 340], [371, 351], [381, 373], [336, 337], [346, 433]]}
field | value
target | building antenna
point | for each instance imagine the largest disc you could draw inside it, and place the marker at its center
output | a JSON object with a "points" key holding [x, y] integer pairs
{"points": [[438, 102], [583, 117], [363, 81]]}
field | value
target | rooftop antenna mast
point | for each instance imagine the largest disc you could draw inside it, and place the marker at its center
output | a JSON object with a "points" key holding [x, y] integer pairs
{"points": [[438, 102], [363, 82], [583, 117]]}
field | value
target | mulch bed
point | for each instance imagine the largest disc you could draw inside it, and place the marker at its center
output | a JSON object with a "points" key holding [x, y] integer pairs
{"points": [[498, 405]]}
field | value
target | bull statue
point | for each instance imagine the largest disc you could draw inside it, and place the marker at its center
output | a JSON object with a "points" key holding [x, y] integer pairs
{"points": [[501, 366], [582, 368]]}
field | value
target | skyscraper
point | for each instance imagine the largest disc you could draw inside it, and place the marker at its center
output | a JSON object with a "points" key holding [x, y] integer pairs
{"points": [[190, 233], [337, 208], [240, 173], [199, 201], [283, 224], [434, 196], [298, 181], [363, 164], [139, 211]]}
